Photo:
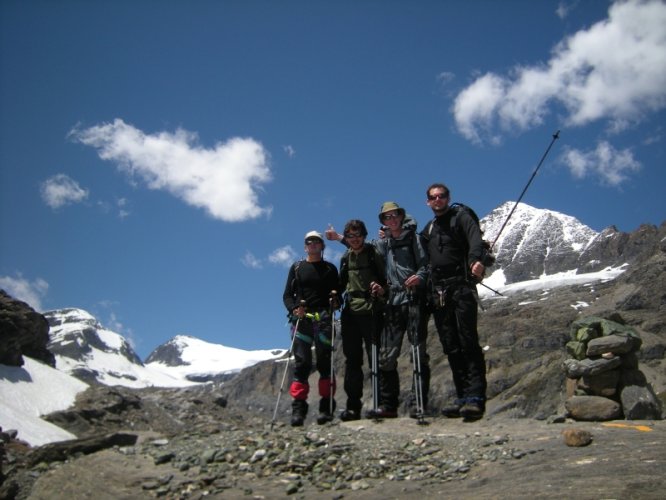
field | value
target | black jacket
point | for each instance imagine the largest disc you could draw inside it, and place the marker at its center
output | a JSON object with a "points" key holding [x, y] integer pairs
{"points": [[312, 282], [452, 246]]}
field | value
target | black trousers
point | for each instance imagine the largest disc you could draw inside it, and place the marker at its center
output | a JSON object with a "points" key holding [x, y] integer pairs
{"points": [[358, 331], [456, 325]]}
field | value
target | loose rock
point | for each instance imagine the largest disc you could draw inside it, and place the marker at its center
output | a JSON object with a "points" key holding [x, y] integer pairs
{"points": [[576, 437]]}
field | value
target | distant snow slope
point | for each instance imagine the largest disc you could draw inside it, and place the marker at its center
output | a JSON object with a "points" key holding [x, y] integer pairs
{"points": [[189, 358]]}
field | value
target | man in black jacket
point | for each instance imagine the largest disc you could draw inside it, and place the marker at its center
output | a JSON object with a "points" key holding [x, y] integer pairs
{"points": [[311, 280], [455, 248]]}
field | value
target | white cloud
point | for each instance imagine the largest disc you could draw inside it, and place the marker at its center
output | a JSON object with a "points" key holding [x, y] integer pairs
{"points": [[61, 190], [445, 77], [477, 105], [251, 261], [612, 71], [30, 292], [609, 164], [654, 137], [564, 8], [123, 208], [445, 86], [283, 256], [223, 180], [289, 150]]}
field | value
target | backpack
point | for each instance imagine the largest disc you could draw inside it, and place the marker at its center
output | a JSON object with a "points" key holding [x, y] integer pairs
{"points": [[407, 241], [487, 257]]}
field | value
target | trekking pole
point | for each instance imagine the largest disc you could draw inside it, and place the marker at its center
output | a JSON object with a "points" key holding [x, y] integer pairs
{"points": [[286, 368], [374, 375], [556, 136], [333, 301], [491, 289], [416, 360]]}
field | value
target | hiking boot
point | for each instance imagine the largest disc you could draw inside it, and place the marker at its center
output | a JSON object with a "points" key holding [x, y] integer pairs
{"points": [[382, 413], [453, 410], [325, 414], [473, 409], [324, 417], [297, 420], [299, 410], [348, 415]]}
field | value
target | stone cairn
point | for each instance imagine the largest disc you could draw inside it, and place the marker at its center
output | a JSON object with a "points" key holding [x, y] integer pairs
{"points": [[603, 378]]}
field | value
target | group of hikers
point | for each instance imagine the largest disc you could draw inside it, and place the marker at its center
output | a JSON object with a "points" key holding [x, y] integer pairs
{"points": [[385, 289]]}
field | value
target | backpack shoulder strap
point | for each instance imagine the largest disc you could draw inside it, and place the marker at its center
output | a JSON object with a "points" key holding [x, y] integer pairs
{"points": [[427, 230], [372, 259], [455, 207]]}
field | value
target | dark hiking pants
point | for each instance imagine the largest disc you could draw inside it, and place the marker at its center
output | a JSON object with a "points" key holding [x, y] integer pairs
{"points": [[357, 333], [456, 326]]}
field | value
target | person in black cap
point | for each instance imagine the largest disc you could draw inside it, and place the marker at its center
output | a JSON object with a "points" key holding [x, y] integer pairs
{"points": [[311, 280]]}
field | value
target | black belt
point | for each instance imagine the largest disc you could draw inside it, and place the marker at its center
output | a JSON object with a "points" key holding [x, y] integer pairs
{"points": [[448, 282]]}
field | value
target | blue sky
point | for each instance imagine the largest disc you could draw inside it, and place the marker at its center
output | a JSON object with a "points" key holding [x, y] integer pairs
{"points": [[160, 161]]}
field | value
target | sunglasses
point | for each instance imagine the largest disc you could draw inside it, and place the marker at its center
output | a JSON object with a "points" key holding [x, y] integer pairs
{"points": [[312, 242], [353, 235], [389, 216], [437, 196]]}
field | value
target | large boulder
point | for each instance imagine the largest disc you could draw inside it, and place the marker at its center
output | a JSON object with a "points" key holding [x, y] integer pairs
{"points": [[639, 402], [593, 408], [23, 332]]}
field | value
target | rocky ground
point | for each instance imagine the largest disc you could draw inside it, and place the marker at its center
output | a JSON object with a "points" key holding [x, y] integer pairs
{"points": [[190, 444]]}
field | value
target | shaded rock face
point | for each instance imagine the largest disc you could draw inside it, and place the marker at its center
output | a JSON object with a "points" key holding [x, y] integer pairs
{"points": [[168, 354], [612, 247], [23, 331]]}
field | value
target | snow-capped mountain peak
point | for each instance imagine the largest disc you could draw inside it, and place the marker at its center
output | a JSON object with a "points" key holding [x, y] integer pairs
{"points": [[79, 327], [535, 242]]}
